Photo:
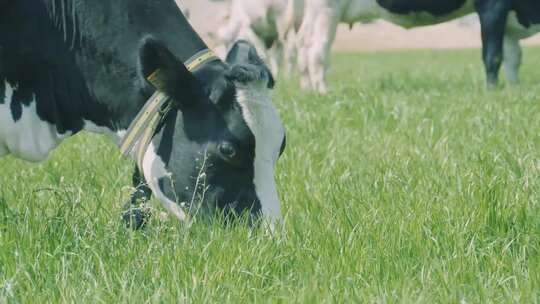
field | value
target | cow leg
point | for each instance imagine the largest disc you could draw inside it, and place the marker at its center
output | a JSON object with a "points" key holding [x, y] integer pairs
{"points": [[305, 37], [493, 15], [275, 55], [134, 215], [287, 41], [324, 33], [512, 58], [303, 69], [289, 53]]}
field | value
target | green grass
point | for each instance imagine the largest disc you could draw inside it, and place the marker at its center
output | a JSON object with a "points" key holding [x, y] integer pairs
{"points": [[409, 182]]}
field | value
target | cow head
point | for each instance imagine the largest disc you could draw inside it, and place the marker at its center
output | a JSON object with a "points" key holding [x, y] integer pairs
{"points": [[217, 148]]}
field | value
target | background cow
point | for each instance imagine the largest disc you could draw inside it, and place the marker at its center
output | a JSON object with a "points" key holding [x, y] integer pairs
{"points": [[271, 25], [73, 65], [503, 24]]}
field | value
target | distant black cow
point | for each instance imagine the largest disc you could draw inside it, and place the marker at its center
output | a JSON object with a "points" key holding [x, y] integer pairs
{"points": [[201, 130], [504, 23]]}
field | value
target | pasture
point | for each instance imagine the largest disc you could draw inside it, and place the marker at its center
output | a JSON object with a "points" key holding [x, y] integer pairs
{"points": [[409, 182]]}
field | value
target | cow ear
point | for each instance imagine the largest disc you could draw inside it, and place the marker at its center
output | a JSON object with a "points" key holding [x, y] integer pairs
{"points": [[166, 73], [247, 65]]}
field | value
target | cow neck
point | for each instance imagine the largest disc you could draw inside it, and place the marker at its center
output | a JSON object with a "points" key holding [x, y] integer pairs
{"points": [[183, 42], [143, 127], [71, 101]]}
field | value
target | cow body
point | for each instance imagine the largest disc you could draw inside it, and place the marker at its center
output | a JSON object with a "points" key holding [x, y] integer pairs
{"points": [[404, 13], [270, 25], [73, 65], [504, 23]]}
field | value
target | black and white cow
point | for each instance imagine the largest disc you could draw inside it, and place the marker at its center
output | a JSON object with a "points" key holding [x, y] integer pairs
{"points": [[503, 24], [73, 65], [270, 25]]}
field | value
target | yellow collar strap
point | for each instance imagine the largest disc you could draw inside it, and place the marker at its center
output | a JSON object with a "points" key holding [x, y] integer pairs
{"points": [[199, 58], [143, 127]]}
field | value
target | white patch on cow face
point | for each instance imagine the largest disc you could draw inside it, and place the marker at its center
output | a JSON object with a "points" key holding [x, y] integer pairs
{"points": [[29, 138], [154, 169], [265, 124]]}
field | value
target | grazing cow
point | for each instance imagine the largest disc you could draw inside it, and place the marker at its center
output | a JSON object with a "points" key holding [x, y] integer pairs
{"points": [[271, 26], [503, 24], [204, 131]]}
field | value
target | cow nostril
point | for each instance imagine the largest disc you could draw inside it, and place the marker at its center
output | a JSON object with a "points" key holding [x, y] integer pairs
{"points": [[227, 150]]}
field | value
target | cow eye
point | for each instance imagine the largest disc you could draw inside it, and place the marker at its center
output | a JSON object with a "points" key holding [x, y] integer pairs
{"points": [[227, 150]]}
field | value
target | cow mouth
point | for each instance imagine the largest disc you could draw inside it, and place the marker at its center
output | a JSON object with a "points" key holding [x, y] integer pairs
{"points": [[216, 201]]}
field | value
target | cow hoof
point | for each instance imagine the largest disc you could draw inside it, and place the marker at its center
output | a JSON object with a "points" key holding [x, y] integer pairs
{"points": [[513, 82], [322, 90], [305, 85], [492, 83], [135, 218]]}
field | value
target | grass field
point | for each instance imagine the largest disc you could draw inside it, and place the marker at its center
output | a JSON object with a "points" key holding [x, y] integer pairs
{"points": [[409, 182]]}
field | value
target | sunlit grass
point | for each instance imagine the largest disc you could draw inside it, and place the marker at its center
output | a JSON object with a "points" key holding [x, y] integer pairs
{"points": [[409, 182]]}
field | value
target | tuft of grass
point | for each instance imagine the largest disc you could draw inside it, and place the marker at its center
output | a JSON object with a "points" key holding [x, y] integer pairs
{"points": [[409, 182]]}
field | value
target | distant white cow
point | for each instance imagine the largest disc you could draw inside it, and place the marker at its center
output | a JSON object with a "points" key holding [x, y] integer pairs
{"points": [[503, 23], [270, 25]]}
